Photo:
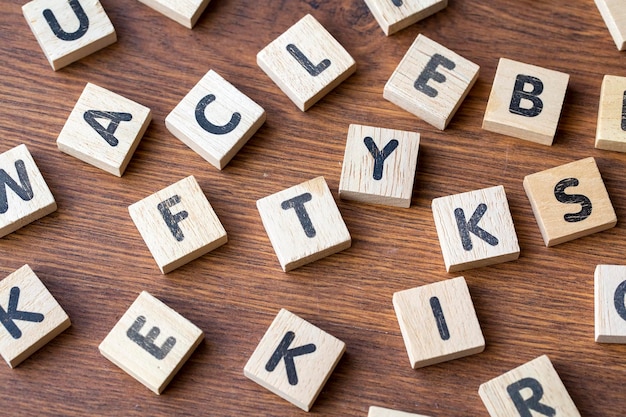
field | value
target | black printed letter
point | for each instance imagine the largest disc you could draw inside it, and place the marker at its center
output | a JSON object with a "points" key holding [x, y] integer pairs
{"points": [[25, 192], [585, 203], [397, 3], [624, 112], [466, 227], [312, 69], [210, 127], [618, 300], [297, 203], [147, 342], [439, 318], [107, 133], [421, 84], [524, 406], [172, 220], [519, 93], [379, 156], [83, 22], [12, 313], [283, 351]]}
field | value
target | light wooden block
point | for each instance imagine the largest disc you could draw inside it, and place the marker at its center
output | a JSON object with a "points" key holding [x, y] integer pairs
{"points": [[303, 223], [395, 15], [294, 359], [31, 317], [68, 30], [614, 16], [611, 127], [24, 194], [104, 129], [178, 224], [475, 229], [431, 82], [379, 166], [184, 12], [151, 342], [306, 62], [570, 201], [525, 101], [215, 119], [530, 389], [438, 322], [610, 304], [387, 412]]}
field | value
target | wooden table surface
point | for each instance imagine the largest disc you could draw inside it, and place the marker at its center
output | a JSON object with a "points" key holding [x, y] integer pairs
{"points": [[93, 260]]}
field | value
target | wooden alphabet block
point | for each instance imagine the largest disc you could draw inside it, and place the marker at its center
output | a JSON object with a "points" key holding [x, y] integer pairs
{"points": [[570, 201], [611, 127], [178, 224], [294, 359], [32, 317], [379, 166], [303, 223], [216, 131], [184, 12], [387, 412], [395, 15], [151, 342], [104, 129], [68, 30], [306, 62], [610, 303], [438, 322], [24, 194], [525, 101], [475, 229], [530, 389], [431, 82], [614, 16]]}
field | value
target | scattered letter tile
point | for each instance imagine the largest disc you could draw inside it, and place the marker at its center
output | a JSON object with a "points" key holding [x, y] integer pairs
{"points": [[395, 15], [184, 12], [610, 303], [387, 412], [614, 16], [611, 128]]}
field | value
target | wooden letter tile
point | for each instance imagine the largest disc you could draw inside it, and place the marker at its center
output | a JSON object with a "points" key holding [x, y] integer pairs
{"points": [[395, 15], [379, 166], [178, 224], [215, 119], [387, 412], [611, 128], [525, 101], [431, 81], [184, 12], [294, 359], [570, 201], [24, 194], [306, 62], [475, 229], [68, 30], [530, 389], [104, 129], [610, 303], [31, 316], [438, 322], [303, 223], [614, 16], [151, 342]]}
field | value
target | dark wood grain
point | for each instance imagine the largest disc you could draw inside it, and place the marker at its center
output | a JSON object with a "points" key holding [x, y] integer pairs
{"points": [[95, 263]]}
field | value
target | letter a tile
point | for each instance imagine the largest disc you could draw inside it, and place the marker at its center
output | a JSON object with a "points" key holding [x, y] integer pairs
{"points": [[151, 342], [610, 303], [178, 224], [530, 389], [68, 30], [294, 359], [475, 229], [395, 15], [387, 412], [611, 128], [303, 223], [431, 82], [215, 119], [31, 317], [184, 12], [306, 62], [570, 201]]}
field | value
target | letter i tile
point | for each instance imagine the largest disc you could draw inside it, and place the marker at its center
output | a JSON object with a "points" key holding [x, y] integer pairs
{"points": [[151, 342], [294, 359]]}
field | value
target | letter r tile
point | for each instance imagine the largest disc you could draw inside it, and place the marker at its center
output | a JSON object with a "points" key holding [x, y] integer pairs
{"points": [[294, 359], [530, 389]]}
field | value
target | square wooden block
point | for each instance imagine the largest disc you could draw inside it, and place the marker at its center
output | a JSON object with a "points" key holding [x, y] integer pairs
{"points": [[294, 359], [184, 12], [431, 82], [530, 389], [151, 342], [215, 119], [610, 303], [303, 223], [68, 30], [24, 194], [395, 15], [31, 318], [525, 101], [178, 224], [306, 62], [104, 129], [611, 127], [570, 201], [475, 229], [387, 412], [379, 166], [438, 322], [614, 16]]}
